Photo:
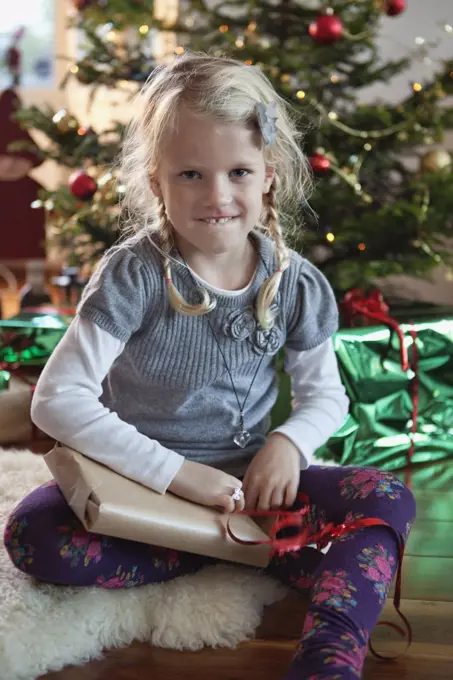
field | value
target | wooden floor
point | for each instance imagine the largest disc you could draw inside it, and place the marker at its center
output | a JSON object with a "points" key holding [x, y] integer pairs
{"points": [[428, 603]]}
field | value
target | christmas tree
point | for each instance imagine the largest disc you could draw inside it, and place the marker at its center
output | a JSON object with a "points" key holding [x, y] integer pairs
{"points": [[373, 212]]}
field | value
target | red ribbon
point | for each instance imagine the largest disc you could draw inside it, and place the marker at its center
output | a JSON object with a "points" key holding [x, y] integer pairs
{"points": [[415, 393], [373, 307], [16, 340], [328, 532], [374, 302]]}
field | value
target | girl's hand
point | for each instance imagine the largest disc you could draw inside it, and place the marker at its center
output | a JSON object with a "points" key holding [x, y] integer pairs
{"points": [[205, 485], [272, 478]]}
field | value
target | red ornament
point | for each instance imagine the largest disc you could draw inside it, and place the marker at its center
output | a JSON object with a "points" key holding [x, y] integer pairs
{"points": [[81, 4], [320, 164], [82, 186], [326, 30], [394, 7]]}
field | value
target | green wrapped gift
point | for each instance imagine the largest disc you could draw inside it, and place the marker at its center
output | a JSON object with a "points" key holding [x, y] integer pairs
{"points": [[396, 416], [28, 339]]}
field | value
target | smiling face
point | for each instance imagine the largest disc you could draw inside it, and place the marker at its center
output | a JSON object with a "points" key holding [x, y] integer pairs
{"points": [[212, 178]]}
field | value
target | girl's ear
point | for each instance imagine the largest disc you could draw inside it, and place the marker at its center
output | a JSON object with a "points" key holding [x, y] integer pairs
{"points": [[268, 178], [155, 187]]}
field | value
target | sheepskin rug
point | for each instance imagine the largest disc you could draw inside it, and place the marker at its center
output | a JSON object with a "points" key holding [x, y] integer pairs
{"points": [[219, 606]]}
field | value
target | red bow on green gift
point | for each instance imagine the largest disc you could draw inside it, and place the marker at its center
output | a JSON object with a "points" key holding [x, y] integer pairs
{"points": [[356, 303], [373, 308]]}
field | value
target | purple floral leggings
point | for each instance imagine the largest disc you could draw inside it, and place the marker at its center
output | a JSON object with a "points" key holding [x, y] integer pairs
{"points": [[348, 584]]}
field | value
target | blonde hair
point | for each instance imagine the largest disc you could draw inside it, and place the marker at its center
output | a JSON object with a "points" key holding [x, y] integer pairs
{"points": [[229, 91]]}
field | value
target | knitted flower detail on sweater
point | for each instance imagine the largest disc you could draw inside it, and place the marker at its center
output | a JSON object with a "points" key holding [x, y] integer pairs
{"points": [[242, 325]]}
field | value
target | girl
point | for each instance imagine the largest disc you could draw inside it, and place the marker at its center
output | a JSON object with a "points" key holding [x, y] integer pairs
{"points": [[167, 373]]}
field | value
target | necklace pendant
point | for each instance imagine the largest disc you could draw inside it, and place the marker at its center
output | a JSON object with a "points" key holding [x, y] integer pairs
{"points": [[242, 438]]}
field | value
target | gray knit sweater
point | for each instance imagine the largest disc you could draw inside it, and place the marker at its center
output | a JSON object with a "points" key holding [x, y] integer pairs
{"points": [[170, 381]]}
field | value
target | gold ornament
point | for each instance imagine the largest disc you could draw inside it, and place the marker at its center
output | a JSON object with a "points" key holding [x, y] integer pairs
{"points": [[107, 187], [435, 160], [65, 121]]}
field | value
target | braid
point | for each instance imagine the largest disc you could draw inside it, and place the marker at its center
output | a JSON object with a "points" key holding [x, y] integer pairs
{"points": [[175, 298], [269, 289], [166, 237]]}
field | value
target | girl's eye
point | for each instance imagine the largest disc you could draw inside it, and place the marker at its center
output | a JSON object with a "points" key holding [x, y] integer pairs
{"points": [[193, 174], [240, 172]]}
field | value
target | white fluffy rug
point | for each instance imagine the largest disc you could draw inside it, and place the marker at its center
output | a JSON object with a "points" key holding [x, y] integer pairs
{"points": [[218, 606]]}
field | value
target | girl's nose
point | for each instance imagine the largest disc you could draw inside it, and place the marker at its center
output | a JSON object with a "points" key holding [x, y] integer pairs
{"points": [[218, 193]]}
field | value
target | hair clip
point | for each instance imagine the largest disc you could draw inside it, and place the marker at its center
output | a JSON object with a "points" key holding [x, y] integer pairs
{"points": [[267, 119]]}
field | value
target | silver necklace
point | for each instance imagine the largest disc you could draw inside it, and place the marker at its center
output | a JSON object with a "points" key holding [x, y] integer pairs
{"points": [[242, 436]]}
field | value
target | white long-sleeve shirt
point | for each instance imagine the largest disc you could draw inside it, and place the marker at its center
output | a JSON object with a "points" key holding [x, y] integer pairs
{"points": [[67, 406]]}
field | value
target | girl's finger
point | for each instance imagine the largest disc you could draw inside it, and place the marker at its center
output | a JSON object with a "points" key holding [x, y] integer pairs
{"points": [[277, 498], [264, 500], [291, 494], [251, 497], [240, 504]]}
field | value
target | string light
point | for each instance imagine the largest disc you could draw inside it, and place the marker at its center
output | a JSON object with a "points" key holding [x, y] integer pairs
{"points": [[74, 69], [240, 42], [300, 94], [144, 29], [81, 131], [334, 78], [361, 246], [417, 87], [252, 26], [285, 77], [248, 62], [330, 237], [223, 29], [373, 134], [112, 36], [367, 146], [179, 50]]}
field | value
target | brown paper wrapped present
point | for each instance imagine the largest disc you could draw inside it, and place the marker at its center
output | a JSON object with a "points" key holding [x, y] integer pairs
{"points": [[113, 505], [15, 420]]}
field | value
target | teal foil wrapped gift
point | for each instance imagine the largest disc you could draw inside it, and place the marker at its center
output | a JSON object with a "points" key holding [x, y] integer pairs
{"points": [[28, 339], [26, 343], [396, 416]]}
